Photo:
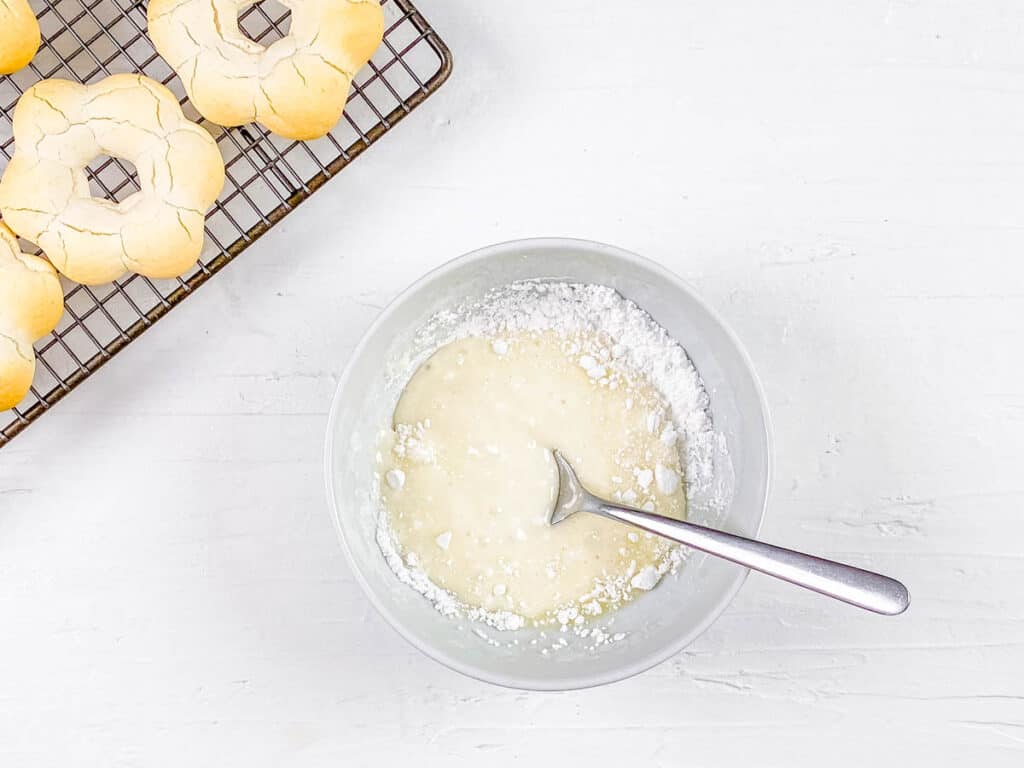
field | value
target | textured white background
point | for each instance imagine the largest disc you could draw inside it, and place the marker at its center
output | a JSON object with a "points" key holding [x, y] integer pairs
{"points": [[843, 180]]}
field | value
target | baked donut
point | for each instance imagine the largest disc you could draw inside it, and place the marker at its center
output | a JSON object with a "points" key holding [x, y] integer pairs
{"points": [[296, 87], [19, 35], [31, 303], [59, 128]]}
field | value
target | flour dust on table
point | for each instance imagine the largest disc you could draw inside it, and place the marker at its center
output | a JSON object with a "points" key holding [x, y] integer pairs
{"points": [[465, 475]]}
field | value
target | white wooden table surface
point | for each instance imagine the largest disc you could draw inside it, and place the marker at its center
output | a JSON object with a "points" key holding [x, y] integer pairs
{"points": [[842, 179]]}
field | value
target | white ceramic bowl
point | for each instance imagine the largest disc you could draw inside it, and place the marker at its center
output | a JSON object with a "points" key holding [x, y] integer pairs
{"points": [[658, 624]]}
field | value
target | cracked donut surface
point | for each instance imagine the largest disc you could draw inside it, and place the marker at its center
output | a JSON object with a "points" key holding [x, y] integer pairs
{"points": [[59, 128], [19, 35], [31, 303], [296, 87]]}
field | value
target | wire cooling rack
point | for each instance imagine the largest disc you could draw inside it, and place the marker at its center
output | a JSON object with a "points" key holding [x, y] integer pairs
{"points": [[267, 176]]}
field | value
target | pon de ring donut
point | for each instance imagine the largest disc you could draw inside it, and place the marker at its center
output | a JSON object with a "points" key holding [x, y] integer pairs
{"points": [[59, 128], [31, 303], [296, 87], [19, 35]]}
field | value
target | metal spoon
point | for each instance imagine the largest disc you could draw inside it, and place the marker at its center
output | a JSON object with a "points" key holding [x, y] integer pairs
{"points": [[865, 589]]}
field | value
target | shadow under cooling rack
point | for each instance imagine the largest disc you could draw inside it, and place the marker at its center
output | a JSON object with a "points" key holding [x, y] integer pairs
{"points": [[266, 176]]}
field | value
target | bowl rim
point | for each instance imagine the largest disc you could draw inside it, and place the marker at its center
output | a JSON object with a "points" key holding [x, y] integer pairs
{"points": [[539, 684]]}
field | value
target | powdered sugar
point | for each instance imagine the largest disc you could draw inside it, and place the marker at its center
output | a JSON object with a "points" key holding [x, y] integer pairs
{"points": [[636, 342], [629, 341]]}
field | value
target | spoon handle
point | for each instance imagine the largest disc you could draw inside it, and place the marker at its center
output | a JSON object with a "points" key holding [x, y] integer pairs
{"points": [[865, 589]]}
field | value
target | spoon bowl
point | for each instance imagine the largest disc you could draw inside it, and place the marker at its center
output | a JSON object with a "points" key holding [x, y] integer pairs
{"points": [[654, 626]]}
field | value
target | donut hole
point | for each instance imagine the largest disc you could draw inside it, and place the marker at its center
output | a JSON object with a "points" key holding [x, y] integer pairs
{"points": [[112, 178], [265, 22]]}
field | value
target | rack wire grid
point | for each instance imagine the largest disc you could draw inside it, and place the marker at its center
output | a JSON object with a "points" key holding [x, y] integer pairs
{"points": [[266, 176]]}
